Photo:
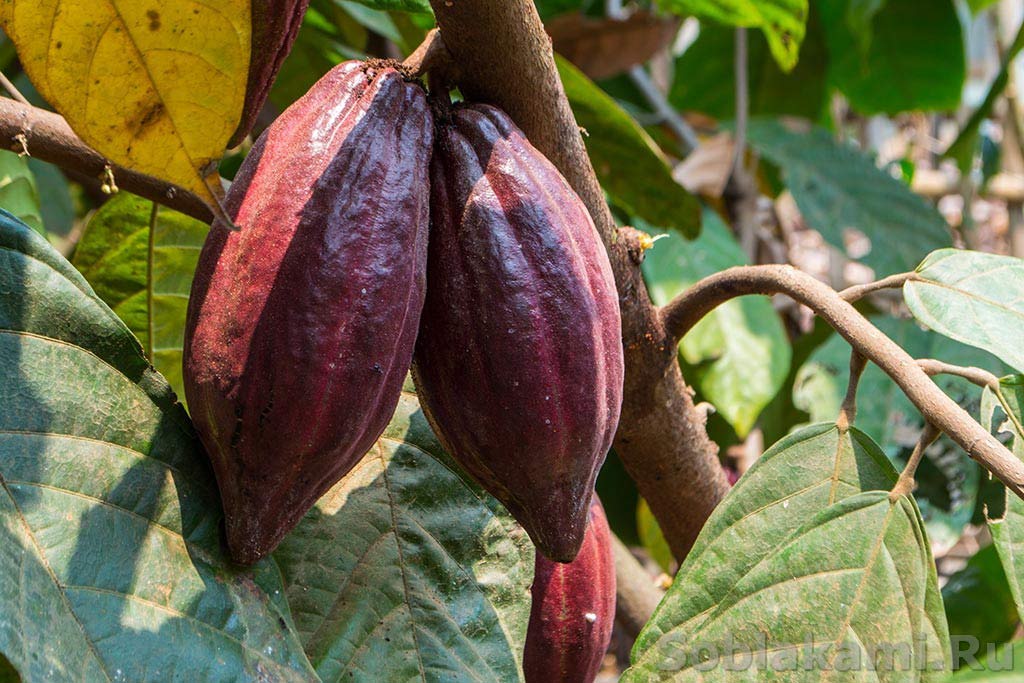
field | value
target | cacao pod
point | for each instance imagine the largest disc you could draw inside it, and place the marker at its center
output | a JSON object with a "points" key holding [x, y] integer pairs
{"points": [[275, 24], [519, 360], [573, 610], [301, 325]]}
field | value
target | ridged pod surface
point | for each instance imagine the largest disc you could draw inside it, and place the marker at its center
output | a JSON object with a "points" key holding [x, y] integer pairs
{"points": [[275, 24], [301, 324], [573, 610], [519, 360]]}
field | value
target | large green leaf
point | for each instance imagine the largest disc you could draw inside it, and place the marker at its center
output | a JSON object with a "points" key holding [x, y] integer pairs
{"points": [[631, 167], [18, 192], [705, 78], [58, 210], [807, 542], [915, 59], [948, 479], [406, 570], [739, 351], [838, 187], [974, 298], [146, 282], [111, 565], [782, 21]]}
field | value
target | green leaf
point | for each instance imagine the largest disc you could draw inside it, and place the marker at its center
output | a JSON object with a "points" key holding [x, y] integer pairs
{"points": [[786, 551], [979, 602], [963, 149], [1004, 666], [57, 206], [1008, 532], [838, 188], [705, 76], [631, 167], [110, 552], [652, 537], [948, 479], [406, 570], [782, 21], [418, 6], [740, 350], [974, 298], [18, 192], [915, 60], [859, 17], [979, 5], [114, 255]]}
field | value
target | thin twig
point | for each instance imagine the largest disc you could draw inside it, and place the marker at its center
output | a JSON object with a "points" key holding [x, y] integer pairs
{"points": [[857, 292], [740, 69], [905, 484], [12, 89], [848, 411], [666, 112], [939, 409]]}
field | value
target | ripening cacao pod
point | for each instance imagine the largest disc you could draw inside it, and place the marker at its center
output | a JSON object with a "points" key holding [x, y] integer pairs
{"points": [[275, 24], [301, 324], [519, 360], [573, 610]]}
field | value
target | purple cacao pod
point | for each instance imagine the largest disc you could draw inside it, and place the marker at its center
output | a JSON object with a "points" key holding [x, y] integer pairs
{"points": [[573, 610], [519, 359], [275, 24], [302, 323]]}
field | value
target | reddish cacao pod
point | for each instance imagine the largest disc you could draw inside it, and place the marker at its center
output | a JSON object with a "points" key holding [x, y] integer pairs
{"points": [[275, 24], [301, 324], [573, 610], [519, 359]]}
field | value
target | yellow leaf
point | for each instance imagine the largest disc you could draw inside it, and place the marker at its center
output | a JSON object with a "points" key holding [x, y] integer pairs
{"points": [[154, 85]]}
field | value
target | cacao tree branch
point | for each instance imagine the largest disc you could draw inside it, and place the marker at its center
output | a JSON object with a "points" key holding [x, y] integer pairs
{"points": [[504, 58], [938, 409], [48, 136]]}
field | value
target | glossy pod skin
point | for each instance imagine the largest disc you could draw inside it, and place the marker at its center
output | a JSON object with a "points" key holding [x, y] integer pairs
{"points": [[302, 323], [573, 610], [519, 360], [275, 24]]}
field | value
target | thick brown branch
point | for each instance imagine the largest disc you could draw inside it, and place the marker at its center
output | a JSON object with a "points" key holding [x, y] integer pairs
{"points": [[504, 58], [48, 137], [936, 407]]}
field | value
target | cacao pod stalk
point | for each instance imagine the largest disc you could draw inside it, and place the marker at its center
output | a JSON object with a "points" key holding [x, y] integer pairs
{"points": [[519, 360], [301, 325], [573, 610]]}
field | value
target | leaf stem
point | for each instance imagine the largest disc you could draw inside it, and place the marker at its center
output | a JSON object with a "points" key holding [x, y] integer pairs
{"points": [[848, 411], [858, 292], [905, 484]]}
